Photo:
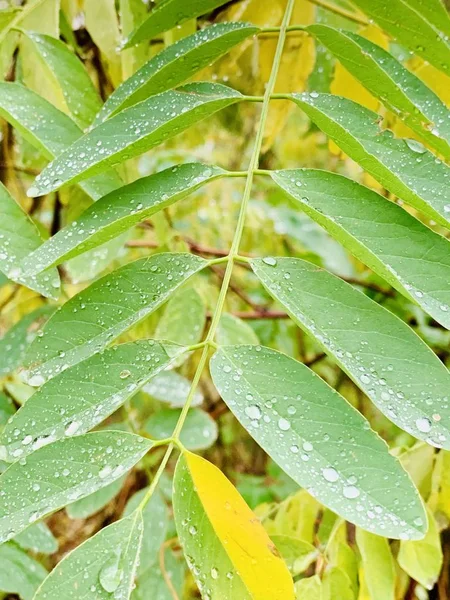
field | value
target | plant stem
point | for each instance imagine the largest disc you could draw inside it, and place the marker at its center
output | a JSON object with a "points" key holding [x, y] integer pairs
{"points": [[234, 250]]}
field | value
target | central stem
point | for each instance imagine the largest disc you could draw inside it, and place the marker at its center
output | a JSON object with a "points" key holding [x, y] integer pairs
{"points": [[234, 250]]}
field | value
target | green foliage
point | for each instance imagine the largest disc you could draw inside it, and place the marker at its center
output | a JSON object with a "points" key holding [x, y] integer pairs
{"points": [[304, 343]]}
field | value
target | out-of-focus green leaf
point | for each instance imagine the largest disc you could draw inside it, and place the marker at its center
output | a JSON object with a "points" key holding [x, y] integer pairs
{"points": [[226, 547], [385, 237], [233, 330], [37, 538], [83, 396], [155, 520], [308, 588], [153, 579], [119, 211], [389, 81], [14, 343], [6, 409], [423, 559], [167, 15], [176, 64], [199, 430], [79, 93], [19, 236], [19, 573], [103, 27], [318, 439], [422, 26], [103, 567], [172, 388], [49, 130], [106, 309], [404, 167], [382, 355], [134, 131], [183, 319], [336, 585], [297, 554], [378, 563], [63, 472], [84, 508]]}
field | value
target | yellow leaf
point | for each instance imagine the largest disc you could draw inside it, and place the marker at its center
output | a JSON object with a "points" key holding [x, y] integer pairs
{"points": [[229, 552]]}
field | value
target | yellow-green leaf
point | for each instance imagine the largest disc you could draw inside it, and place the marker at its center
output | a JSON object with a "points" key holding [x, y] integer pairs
{"points": [[227, 549]]}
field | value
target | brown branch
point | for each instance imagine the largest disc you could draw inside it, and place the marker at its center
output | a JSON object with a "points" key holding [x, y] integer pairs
{"points": [[28, 171], [369, 286]]}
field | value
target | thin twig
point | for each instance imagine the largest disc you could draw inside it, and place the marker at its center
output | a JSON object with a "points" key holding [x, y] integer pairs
{"points": [[162, 566], [28, 171]]}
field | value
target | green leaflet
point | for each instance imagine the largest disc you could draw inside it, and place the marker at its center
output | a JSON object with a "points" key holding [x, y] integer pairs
{"points": [[176, 64], [172, 388], [119, 211], [423, 26], [382, 354], [184, 318], [407, 254], [18, 237], [37, 538], [389, 81], [233, 330], [14, 343], [155, 517], [199, 430], [84, 508], [96, 316], [79, 92], [167, 15], [379, 565], [134, 131], [423, 559], [19, 573], [63, 472], [297, 554], [103, 567], [81, 397], [318, 439], [48, 129], [404, 167]]}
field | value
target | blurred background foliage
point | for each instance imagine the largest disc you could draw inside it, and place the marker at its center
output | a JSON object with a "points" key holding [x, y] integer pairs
{"points": [[325, 555]]}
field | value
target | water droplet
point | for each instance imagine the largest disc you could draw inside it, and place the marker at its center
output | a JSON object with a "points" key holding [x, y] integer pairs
{"points": [[330, 474]]}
